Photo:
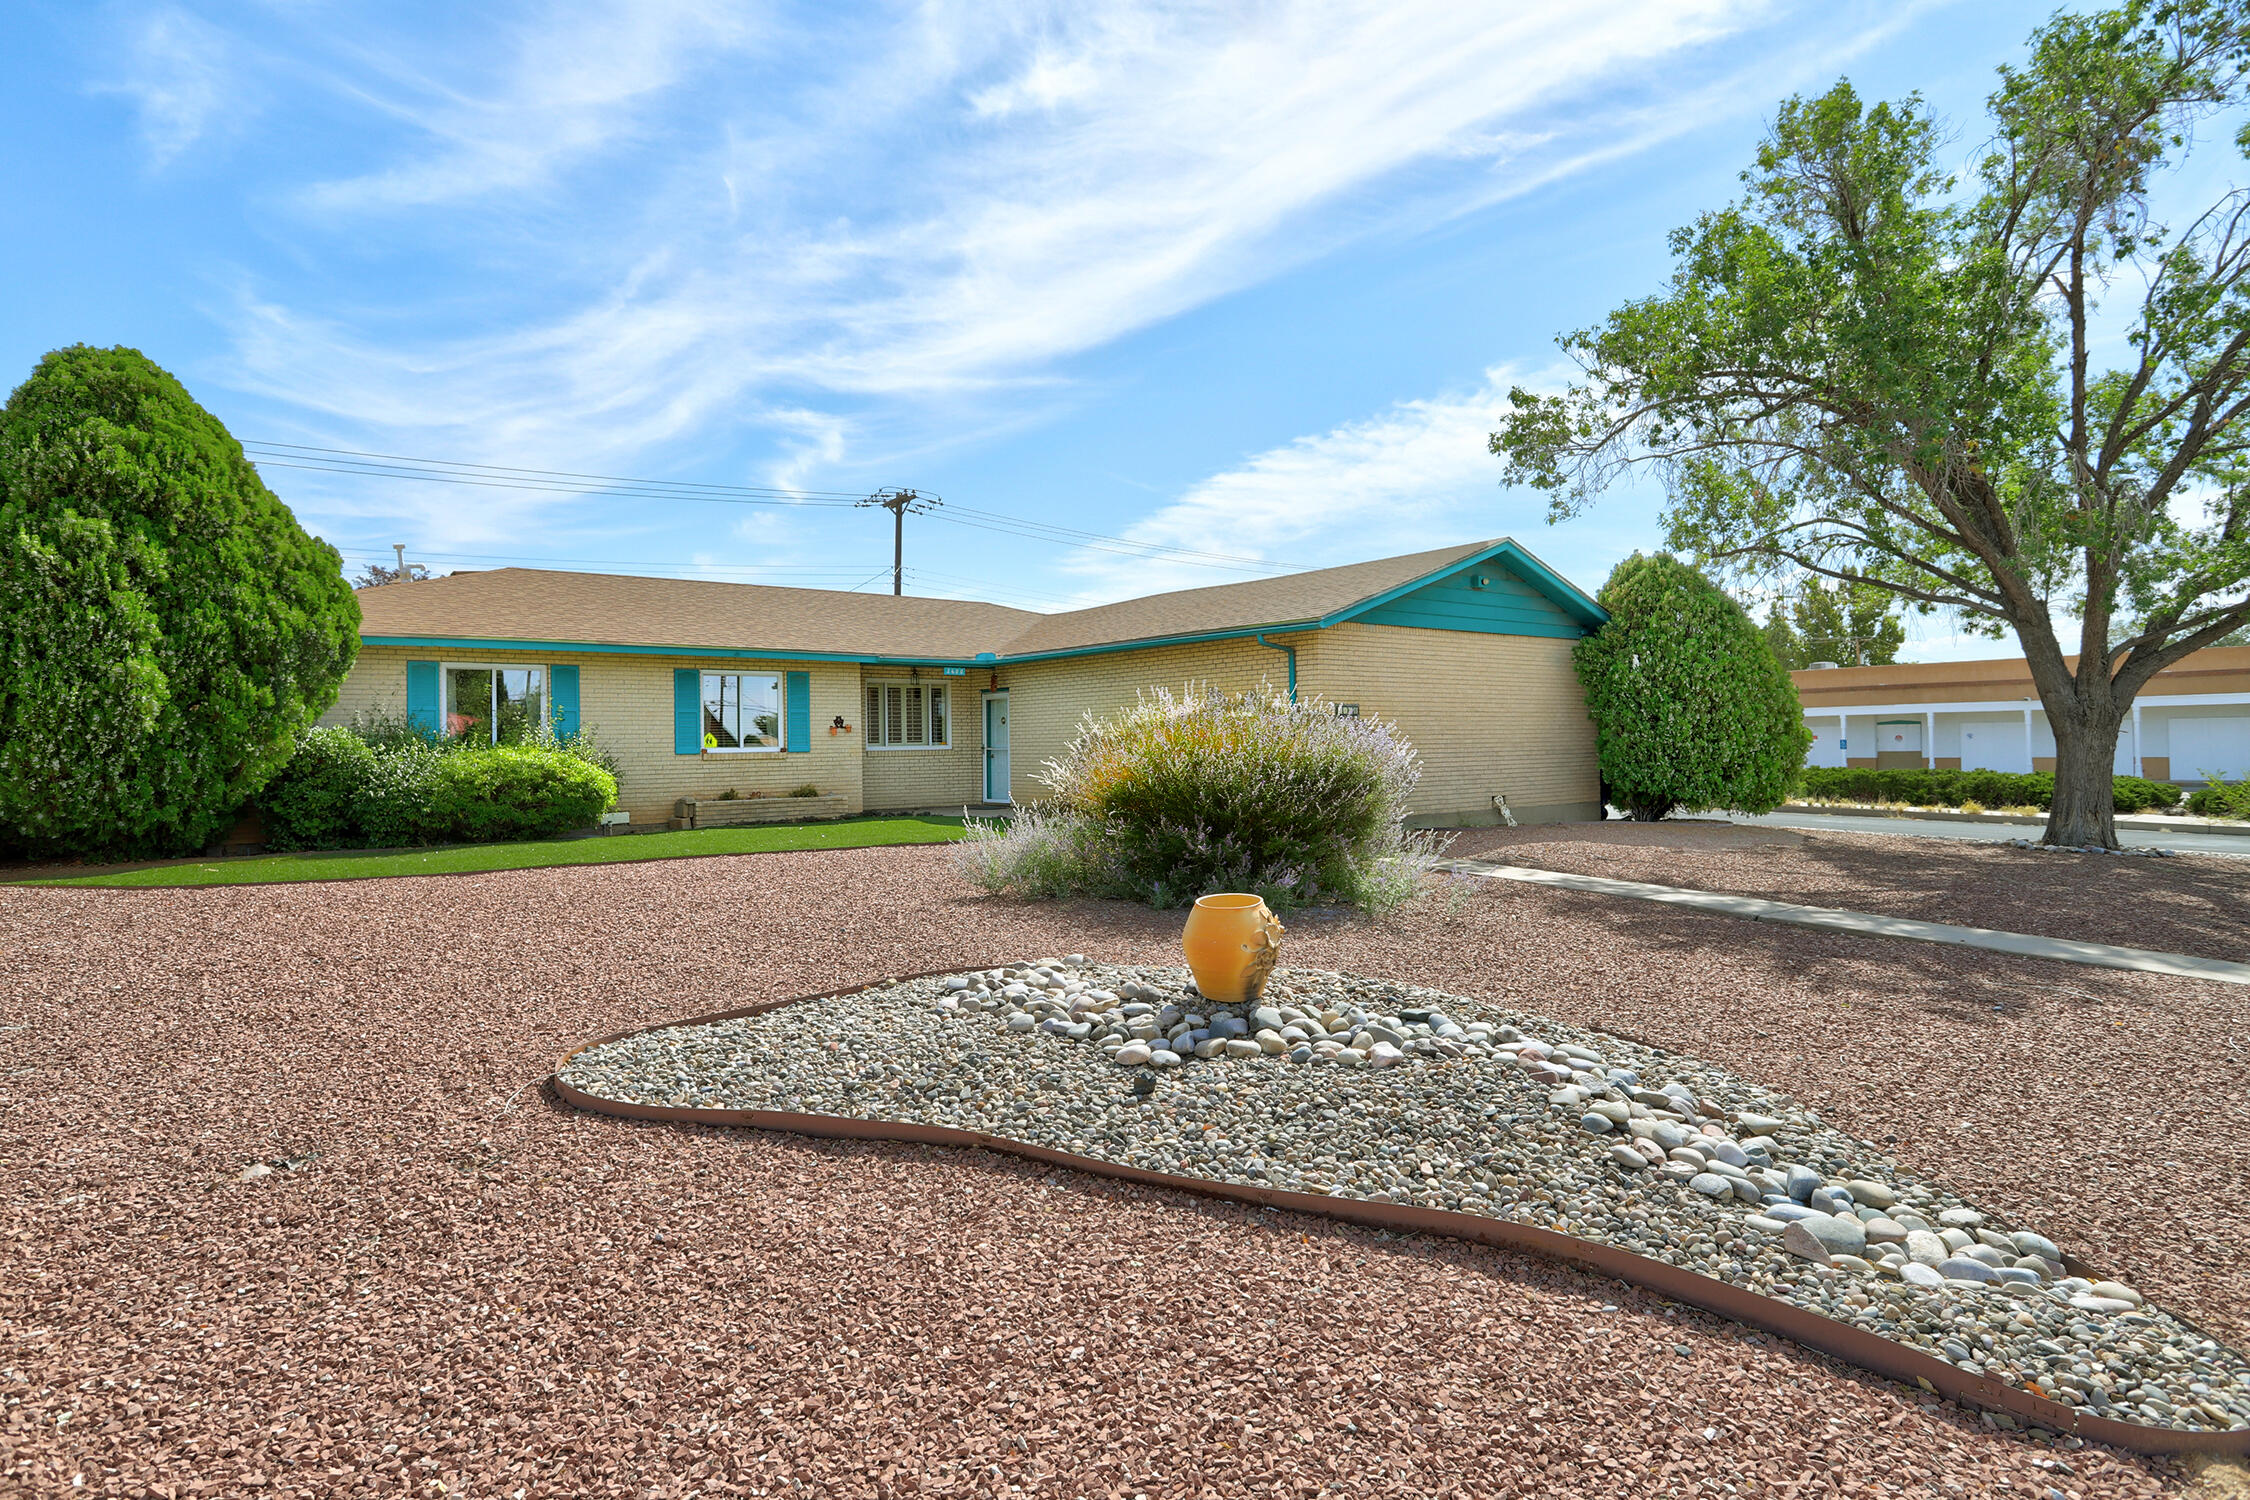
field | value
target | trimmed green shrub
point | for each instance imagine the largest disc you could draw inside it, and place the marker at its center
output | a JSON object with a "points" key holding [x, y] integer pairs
{"points": [[1177, 797], [166, 627], [1691, 710], [1952, 788], [395, 803], [515, 792], [314, 802], [2221, 799]]}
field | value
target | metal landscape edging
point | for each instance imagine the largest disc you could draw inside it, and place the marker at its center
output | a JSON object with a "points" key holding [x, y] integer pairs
{"points": [[1853, 1345]]}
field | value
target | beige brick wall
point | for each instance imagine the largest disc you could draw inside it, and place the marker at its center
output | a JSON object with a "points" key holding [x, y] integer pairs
{"points": [[1047, 698], [1489, 713], [918, 776], [627, 702]]}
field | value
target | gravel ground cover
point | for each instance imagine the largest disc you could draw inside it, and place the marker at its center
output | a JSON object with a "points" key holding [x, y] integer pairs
{"points": [[446, 1280], [2184, 904], [1356, 1088]]}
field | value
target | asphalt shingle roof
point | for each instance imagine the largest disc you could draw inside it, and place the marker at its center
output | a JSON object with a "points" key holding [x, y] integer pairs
{"points": [[538, 605]]}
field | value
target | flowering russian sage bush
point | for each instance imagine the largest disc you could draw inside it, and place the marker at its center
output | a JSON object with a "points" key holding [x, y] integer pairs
{"points": [[1178, 796]]}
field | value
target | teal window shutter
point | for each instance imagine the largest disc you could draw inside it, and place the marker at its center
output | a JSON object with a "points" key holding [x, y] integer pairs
{"points": [[799, 694], [422, 696], [687, 711], [562, 699]]}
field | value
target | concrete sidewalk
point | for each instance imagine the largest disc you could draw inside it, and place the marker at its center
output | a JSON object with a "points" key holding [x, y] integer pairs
{"points": [[1834, 919]]}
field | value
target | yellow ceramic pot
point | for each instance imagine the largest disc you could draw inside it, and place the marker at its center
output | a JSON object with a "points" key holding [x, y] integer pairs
{"points": [[1232, 943]]}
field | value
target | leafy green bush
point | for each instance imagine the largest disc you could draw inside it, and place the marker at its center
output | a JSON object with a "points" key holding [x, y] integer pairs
{"points": [[166, 627], [1952, 788], [2221, 799], [314, 801], [395, 804], [383, 783], [1690, 708], [515, 792], [1176, 797]]}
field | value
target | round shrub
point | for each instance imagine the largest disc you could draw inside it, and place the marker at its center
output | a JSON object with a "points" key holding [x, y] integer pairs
{"points": [[1691, 710], [514, 792], [1176, 797], [314, 803], [166, 627]]}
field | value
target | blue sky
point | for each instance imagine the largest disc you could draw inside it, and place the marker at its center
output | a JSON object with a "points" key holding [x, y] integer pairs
{"points": [[1238, 280]]}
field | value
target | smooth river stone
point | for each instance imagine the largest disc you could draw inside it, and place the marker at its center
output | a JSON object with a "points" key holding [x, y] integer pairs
{"points": [[1839, 1235]]}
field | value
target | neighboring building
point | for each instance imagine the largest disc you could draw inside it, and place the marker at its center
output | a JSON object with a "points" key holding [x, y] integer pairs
{"points": [[897, 703], [2192, 718]]}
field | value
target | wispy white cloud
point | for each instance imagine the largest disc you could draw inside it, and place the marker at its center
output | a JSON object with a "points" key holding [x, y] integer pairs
{"points": [[578, 79], [1420, 474], [865, 237], [956, 206], [178, 71]]}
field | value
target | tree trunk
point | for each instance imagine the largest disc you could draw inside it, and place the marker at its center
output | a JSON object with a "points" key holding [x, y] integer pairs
{"points": [[2084, 814]]}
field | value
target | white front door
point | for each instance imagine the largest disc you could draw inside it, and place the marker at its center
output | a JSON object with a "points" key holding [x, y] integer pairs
{"points": [[996, 748]]}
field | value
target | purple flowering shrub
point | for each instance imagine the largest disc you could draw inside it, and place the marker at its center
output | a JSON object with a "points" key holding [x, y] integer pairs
{"points": [[1181, 795]]}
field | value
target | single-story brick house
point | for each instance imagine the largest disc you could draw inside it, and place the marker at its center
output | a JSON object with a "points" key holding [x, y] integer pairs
{"points": [[893, 703]]}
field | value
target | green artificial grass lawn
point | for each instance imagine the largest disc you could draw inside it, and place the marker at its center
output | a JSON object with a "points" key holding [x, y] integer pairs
{"points": [[846, 833]]}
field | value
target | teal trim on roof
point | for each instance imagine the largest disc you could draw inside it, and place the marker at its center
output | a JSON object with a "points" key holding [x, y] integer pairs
{"points": [[1528, 598], [732, 653], [1488, 599]]}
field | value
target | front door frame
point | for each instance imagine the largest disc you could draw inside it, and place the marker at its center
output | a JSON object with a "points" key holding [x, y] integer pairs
{"points": [[984, 730]]}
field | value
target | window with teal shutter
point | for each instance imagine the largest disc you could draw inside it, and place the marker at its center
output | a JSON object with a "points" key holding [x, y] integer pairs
{"points": [[562, 700], [799, 706], [687, 711]]}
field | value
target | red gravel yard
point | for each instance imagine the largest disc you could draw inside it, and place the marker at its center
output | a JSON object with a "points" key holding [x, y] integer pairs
{"points": [[2184, 904], [447, 1285]]}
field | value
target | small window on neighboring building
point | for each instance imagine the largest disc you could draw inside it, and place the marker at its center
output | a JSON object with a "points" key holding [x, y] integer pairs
{"points": [[741, 711], [907, 715]]}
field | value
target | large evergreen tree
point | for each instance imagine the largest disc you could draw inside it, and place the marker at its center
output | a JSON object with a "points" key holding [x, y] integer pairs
{"points": [[166, 627], [1690, 709], [1868, 371]]}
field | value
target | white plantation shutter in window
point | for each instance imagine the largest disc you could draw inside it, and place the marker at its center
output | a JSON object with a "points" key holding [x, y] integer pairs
{"points": [[915, 723], [937, 716], [893, 711], [874, 725]]}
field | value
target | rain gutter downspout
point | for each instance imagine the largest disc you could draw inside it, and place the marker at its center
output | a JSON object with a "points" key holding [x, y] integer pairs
{"points": [[1288, 651]]}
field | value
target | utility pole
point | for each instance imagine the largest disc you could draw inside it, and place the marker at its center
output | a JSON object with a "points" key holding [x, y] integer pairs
{"points": [[898, 503]]}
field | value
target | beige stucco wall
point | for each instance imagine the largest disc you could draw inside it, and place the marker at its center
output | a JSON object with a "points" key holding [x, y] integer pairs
{"points": [[1488, 713], [626, 702]]}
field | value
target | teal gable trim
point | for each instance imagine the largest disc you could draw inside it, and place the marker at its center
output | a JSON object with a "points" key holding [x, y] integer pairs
{"points": [[1515, 573], [687, 711], [1504, 605], [797, 698], [422, 696], [562, 698]]}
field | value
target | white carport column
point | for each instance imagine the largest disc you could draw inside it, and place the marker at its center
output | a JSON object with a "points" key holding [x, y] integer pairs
{"points": [[2028, 762], [1929, 739], [2140, 762]]}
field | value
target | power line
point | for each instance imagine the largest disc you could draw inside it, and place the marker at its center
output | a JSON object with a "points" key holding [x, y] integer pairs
{"points": [[353, 454], [348, 461]]}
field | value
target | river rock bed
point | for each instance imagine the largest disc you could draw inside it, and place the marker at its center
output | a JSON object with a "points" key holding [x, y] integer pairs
{"points": [[1353, 1087]]}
